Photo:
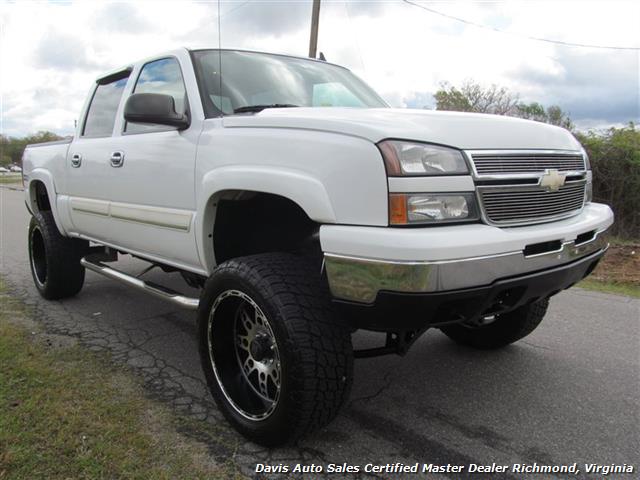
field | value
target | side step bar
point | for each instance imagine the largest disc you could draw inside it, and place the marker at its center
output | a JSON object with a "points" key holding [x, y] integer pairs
{"points": [[149, 287]]}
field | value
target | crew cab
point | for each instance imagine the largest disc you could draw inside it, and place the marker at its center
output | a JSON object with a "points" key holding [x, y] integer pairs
{"points": [[305, 208]]}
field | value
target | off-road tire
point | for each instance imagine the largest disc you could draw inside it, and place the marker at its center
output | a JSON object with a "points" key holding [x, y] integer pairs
{"points": [[506, 329], [314, 347], [54, 259]]}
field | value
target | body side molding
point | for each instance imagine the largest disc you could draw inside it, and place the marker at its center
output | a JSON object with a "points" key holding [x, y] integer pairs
{"points": [[143, 214]]}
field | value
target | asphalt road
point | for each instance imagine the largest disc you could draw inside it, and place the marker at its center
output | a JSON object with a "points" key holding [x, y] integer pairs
{"points": [[570, 392]]}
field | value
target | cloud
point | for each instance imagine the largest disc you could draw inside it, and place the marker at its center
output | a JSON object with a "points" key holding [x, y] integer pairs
{"points": [[120, 17], [51, 52], [61, 51], [419, 100], [269, 18], [595, 86]]}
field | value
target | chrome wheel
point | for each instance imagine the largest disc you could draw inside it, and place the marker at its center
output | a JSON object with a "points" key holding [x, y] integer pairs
{"points": [[38, 256], [277, 362], [244, 355]]}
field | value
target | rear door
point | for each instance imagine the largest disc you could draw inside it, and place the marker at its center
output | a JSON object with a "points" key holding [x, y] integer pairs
{"points": [[151, 180], [87, 182]]}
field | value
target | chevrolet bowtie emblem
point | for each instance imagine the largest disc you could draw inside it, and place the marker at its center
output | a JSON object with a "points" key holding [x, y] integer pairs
{"points": [[552, 180]]}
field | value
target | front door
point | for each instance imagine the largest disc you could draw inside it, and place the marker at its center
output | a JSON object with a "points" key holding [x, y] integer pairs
{"points": [[151, 185]]}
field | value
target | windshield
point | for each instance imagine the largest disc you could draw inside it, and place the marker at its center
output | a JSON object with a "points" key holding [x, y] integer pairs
{"points": [[250, 79]]}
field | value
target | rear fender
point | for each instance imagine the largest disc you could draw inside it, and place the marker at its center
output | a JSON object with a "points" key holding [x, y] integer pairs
{"points": [[44, 176]]}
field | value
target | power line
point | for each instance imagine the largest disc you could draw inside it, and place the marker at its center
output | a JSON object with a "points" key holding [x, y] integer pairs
{"points": [[529, 37], [235, 8], [355, 35]]}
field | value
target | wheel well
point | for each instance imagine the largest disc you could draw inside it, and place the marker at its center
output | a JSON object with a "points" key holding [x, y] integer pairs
{"points": [[247, 223], [40, 197]]}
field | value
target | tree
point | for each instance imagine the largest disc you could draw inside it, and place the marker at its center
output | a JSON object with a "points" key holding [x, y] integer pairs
{"points": [[13, 147], [473, 97], [615, 159], [553, 114], [4, 158], [559, 117], [42, 136], [532, 111]]}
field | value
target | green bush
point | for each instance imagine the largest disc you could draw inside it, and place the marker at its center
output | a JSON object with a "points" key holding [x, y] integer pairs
{"points": [[615, 160]]}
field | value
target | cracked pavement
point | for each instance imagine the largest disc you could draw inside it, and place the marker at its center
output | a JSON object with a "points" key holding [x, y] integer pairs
{"points": [[567, 393]]}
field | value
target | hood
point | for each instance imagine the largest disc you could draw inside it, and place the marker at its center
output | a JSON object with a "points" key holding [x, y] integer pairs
{"points": [[457, 129]]}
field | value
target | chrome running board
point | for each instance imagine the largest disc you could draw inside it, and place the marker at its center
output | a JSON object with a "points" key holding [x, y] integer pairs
{"points": [[151, 288]]}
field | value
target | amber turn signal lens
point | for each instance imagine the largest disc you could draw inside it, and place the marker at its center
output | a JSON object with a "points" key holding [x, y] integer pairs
{"points": [[398, 209], [391, 160]]}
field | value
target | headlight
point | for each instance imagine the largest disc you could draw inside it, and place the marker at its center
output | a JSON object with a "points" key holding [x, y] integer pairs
{"points": [[411, 158], [405, 209]]}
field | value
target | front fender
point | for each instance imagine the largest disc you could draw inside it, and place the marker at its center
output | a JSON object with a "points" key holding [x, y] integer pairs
{"points": [[306, 191]]}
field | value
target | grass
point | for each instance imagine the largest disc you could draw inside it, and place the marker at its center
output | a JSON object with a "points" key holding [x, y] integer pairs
{"points": [[619, 270], [629, 290], [11, 179], [69, 413]]}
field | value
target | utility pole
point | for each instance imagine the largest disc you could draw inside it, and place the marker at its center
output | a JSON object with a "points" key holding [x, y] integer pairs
{"points": [[313, 39]]}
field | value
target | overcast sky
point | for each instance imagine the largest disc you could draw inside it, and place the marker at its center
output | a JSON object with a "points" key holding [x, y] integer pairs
{"points": [[50, 52]]}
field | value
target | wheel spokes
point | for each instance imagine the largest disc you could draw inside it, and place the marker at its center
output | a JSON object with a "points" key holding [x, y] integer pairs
{"points": [[254, 386], [262, 384], [248, 366], [243, 342], [248, 323], [263, 373]]}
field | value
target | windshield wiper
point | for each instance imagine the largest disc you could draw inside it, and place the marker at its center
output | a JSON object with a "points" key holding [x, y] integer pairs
{"points": [[259, 108]]}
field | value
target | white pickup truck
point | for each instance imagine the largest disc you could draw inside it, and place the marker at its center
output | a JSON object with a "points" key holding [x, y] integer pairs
{"points": [[305, 208]]}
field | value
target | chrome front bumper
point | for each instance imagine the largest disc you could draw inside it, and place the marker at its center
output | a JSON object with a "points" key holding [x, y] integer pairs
{"points": [[360, 279]]}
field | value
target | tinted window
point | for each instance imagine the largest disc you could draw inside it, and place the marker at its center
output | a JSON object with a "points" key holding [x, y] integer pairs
{"points": [[261, 79], [162, 76], [102, 111], [334, 93]]}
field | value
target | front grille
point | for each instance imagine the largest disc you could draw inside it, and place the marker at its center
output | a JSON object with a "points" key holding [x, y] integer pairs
{"points": [[531, 205], [529, 162]]}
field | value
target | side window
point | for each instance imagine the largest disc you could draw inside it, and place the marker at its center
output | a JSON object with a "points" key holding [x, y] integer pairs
{"points": [[161, 76], [102, 111]]}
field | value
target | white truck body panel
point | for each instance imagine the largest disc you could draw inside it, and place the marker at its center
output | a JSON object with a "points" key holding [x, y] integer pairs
{"points": [[161, 204], [43, 164], [458, 129]]}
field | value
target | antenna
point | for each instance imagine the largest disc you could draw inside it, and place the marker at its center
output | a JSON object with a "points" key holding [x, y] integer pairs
{"points": [[219, 56]]}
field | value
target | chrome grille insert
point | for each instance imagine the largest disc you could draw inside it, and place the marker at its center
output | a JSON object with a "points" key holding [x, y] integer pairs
{"points": [[518, 205], [513, 162], [524, 187]]}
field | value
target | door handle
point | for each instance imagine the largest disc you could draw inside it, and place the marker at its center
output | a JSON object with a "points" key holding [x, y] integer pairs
{"points": [[117, 159], [76, 160]]}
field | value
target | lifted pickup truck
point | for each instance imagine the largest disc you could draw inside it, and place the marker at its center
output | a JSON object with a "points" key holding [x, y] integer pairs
{"points": [[305, 208]]}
